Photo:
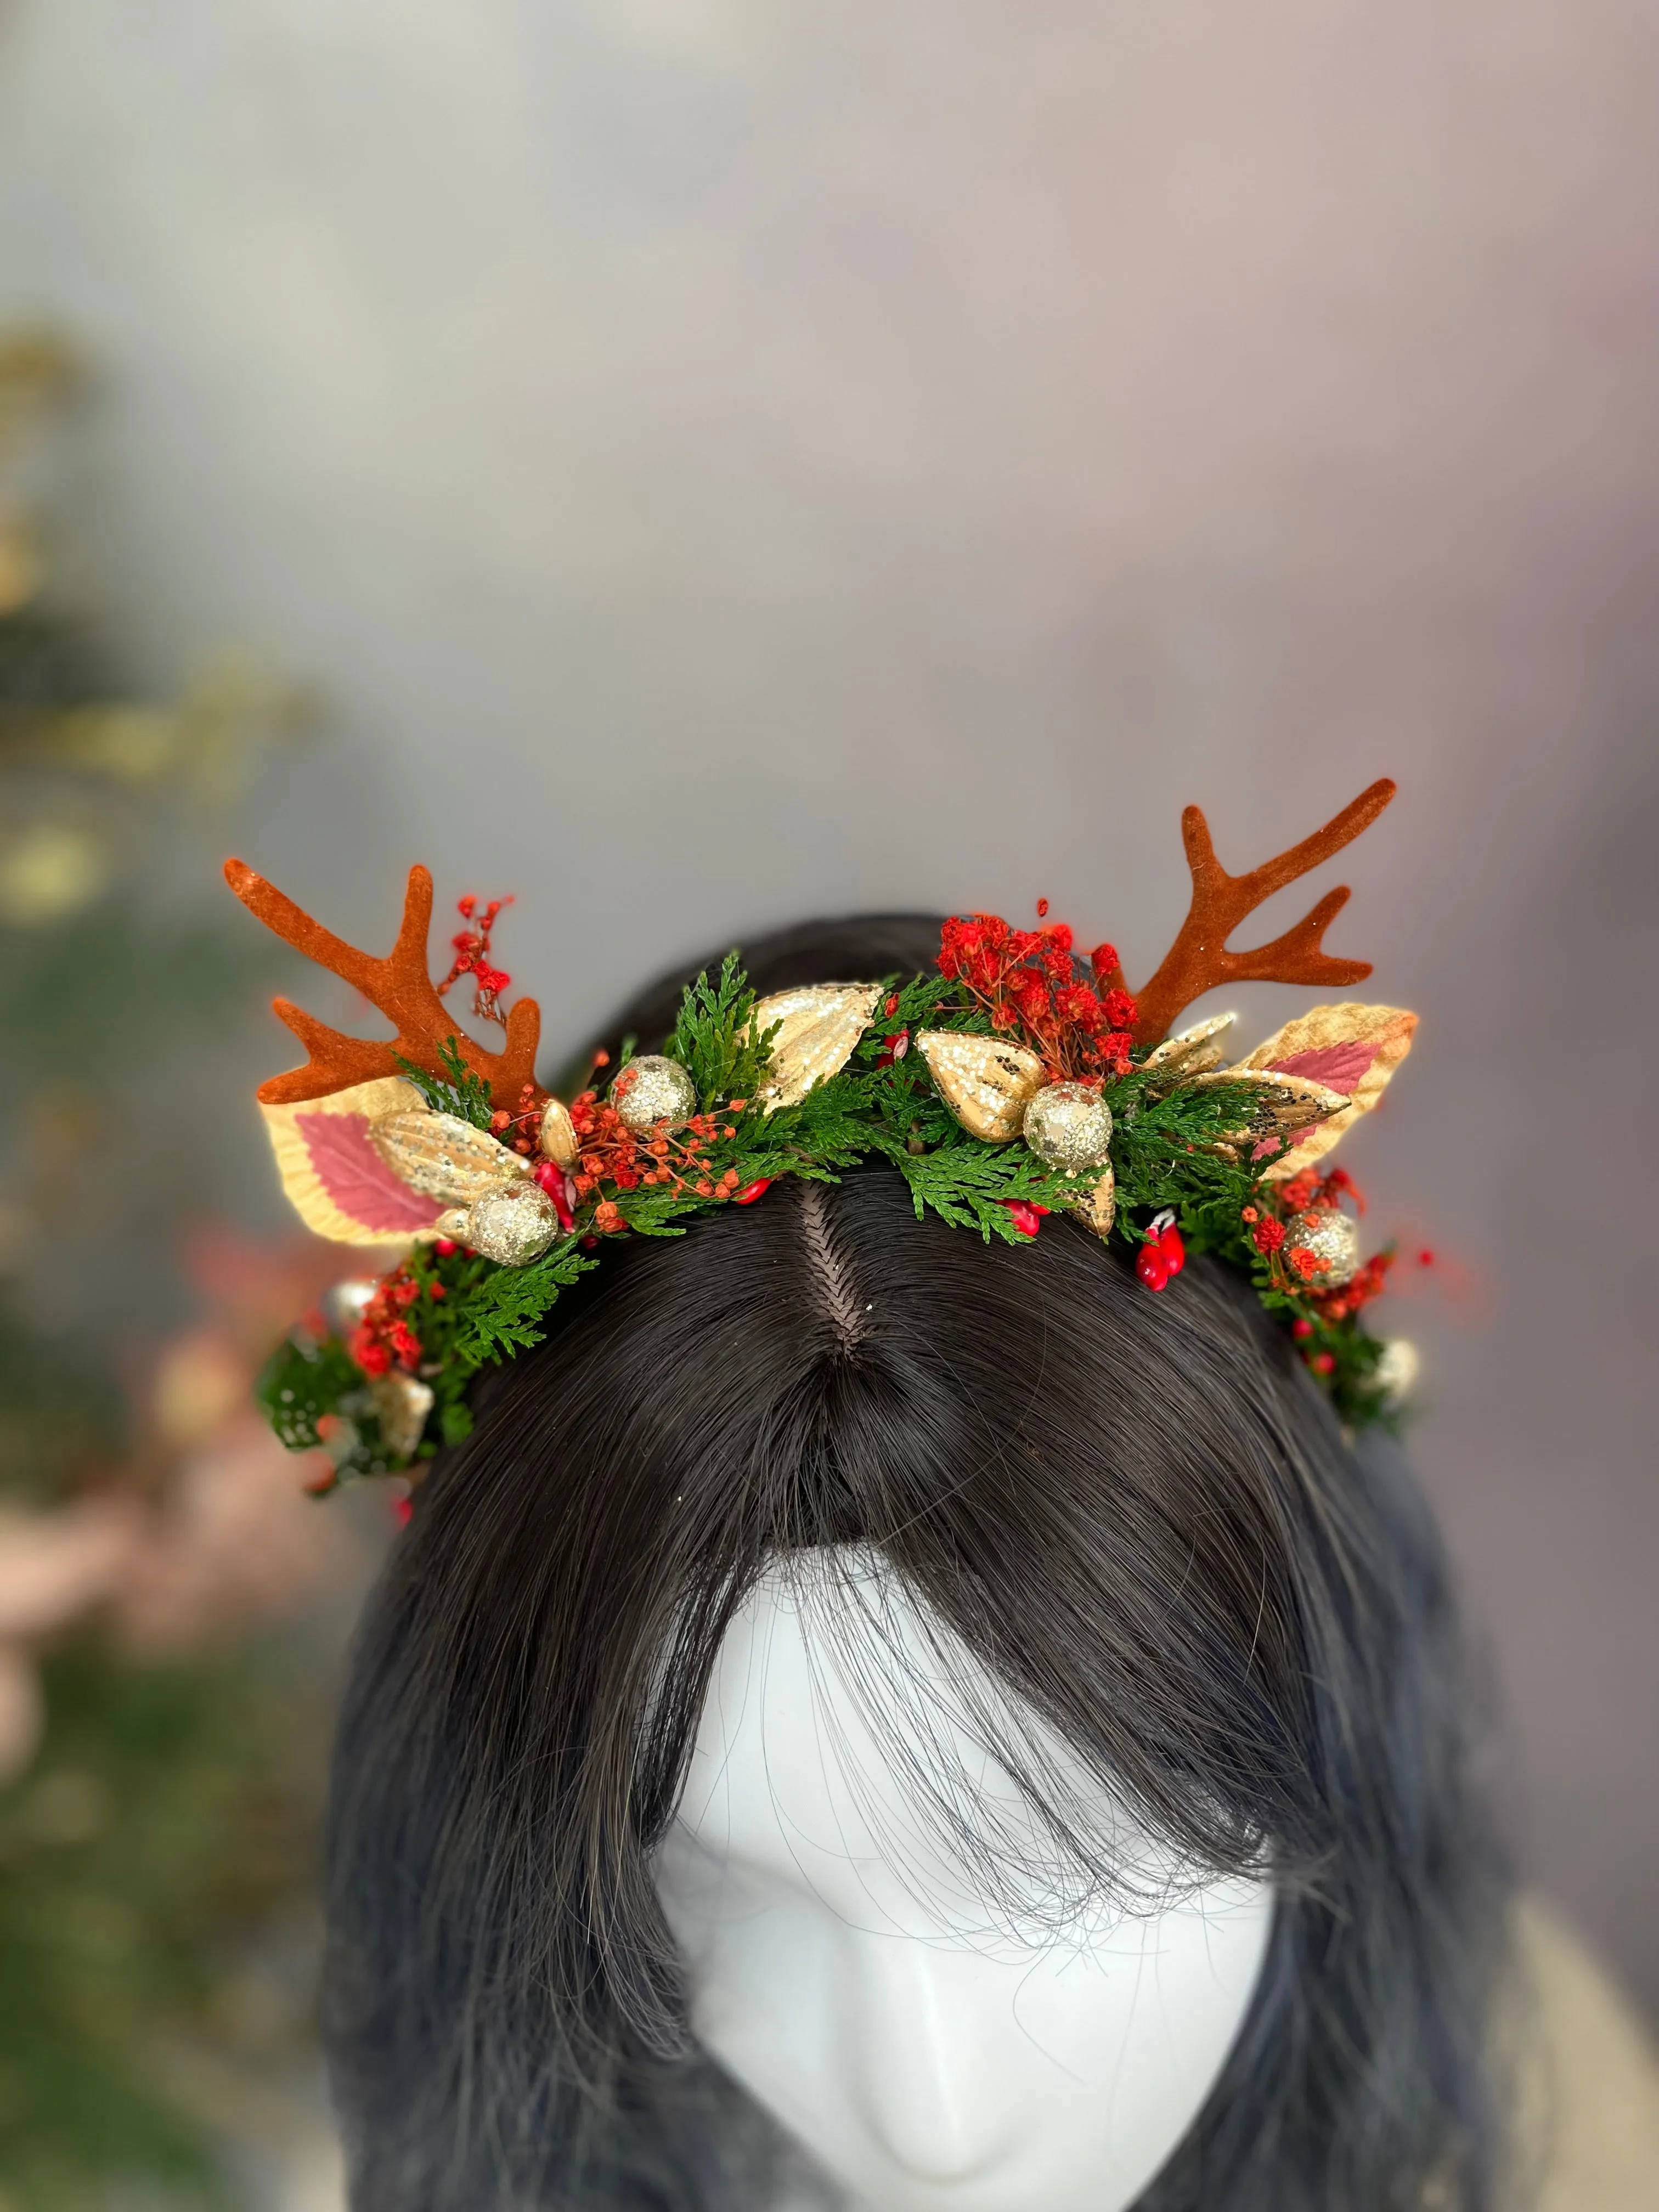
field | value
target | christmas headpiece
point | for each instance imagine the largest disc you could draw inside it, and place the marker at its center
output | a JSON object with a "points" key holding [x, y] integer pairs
{"points": [[1019, 1080]]}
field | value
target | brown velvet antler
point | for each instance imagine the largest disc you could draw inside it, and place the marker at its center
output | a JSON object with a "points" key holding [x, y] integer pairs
{"points": [[400, 985], [1199, 958]]}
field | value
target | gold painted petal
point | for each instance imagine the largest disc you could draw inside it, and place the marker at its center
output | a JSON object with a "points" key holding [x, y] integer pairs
{"points": [[559, 1135], [1352, 1048], [1275, 1108], [818, 1024], [986, 1082], [1190, 1052], [402, 1403], [334, 1178], [1097, 1208], [443, 1156]]}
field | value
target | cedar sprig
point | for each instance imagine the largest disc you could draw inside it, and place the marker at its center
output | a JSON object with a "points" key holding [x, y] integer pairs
{"points": [[715, 1039], [465, 1094], [971, 1186], [502, 1313]]}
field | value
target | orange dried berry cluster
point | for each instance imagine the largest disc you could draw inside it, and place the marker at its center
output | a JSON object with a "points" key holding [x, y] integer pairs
{"points": [[676, 1161]]}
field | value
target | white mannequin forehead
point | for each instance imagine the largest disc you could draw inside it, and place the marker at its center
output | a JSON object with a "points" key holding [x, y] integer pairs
{"points": [[944, 2034]]}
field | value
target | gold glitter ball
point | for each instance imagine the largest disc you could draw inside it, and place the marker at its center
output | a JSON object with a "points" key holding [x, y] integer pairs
{"points": [[513, 1227], [559, 1135], [1396, 1372], [1331, 1236], [654, 1092], [1069, 1127]]}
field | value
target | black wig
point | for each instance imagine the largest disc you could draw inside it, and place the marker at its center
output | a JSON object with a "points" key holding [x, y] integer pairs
{"points": [[1136, 1511]]}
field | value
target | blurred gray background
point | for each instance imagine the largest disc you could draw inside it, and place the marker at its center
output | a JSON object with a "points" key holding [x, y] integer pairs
{"points": [[719, 460]]}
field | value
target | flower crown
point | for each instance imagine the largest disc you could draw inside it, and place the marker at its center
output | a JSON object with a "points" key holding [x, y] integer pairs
{"points": [[1019, 1079]]}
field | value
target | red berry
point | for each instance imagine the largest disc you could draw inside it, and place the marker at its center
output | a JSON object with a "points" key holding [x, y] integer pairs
{"points": [[1301, 1329], [1153, 1267], [1324, 1363], [446, 1248], [1173, 1245], [1027, 1219], [751, 1191]]}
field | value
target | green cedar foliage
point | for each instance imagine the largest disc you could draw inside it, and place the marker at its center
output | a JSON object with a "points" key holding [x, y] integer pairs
{"points": [[463, 1093]]}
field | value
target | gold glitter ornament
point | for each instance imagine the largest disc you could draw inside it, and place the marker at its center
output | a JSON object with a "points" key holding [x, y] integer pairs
{"points": [[1069, 1127], [1333, 1238], [558, 1136], [1190, 1052], [818, 1026], [401, 1404], [986, 1082], [1097, 1208], [444, 1157], [1396, 1372], [512, 1227], [654, 1092]]}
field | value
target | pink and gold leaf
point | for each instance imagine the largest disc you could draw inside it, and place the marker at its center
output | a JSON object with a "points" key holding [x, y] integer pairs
{"points": [[1351, 1048], [336, 1180]]}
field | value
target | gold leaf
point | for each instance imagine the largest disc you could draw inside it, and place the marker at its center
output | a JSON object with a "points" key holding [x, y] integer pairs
{"points": [[986, 1082], [818, 1024], [1273, 1107], [1192, 1051], [1097, 1208], [314, 1141], [1352, 1047], [445, 1157]]}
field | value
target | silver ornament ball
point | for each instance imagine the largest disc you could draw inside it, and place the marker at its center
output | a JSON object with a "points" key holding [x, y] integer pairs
{"points": [[345, 1304], [1397, 1370], [1331, 1236], [513, 1225], [1069, 1127], [652, 1092]]}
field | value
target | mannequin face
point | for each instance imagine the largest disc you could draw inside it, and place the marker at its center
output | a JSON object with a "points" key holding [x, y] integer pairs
{"points": [[940, 2037]]}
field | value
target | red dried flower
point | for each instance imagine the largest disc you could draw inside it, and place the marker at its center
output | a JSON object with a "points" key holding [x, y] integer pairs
{"points": [[1269, 1236]]}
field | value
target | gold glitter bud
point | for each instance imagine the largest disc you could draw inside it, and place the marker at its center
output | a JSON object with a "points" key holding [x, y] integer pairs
{"points": [[1097, 1207], [402, 1404], [1396, 1372], [1333, 1238], [654, 1092], [1069, 1127], [559, 1135], [818, 1026], [986, 1081], [513, 1227], [444, 1157]]}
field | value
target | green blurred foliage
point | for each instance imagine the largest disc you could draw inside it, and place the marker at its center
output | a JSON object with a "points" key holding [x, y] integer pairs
{"points": [[171, 1808]]}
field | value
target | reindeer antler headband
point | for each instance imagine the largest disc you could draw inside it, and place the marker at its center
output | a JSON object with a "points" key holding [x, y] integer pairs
{"points": [[1019, 1080]]}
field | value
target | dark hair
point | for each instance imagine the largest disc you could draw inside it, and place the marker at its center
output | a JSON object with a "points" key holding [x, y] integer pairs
{"points": [[1136, 1510]]}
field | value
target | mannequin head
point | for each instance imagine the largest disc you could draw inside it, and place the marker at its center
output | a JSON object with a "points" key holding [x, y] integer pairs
{"points": [[882, 1945], [1107, 1634]]}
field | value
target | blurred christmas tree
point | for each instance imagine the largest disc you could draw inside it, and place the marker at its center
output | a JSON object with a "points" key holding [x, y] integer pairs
{"points": [[158, 1770]]}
